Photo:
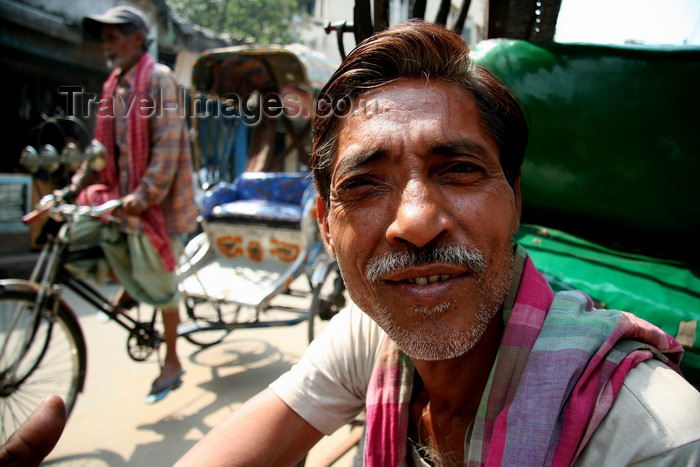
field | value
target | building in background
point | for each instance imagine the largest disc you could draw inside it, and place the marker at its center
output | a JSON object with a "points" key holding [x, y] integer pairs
{"points": [[42, 47]]}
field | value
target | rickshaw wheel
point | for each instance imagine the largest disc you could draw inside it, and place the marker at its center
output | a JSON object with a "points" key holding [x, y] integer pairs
{"points": [[206, 319], [327, 300]]}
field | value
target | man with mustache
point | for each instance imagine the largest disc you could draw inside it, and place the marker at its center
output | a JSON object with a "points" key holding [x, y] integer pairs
{"points": [[456, 347]]}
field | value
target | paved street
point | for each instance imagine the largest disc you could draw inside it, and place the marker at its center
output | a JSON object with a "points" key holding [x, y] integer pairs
{"points": [[111, 425]]}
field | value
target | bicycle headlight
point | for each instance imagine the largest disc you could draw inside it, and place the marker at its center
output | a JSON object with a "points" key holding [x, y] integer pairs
{"points": [[97, 155], [49, 157], [30, 159], [72, 156]]}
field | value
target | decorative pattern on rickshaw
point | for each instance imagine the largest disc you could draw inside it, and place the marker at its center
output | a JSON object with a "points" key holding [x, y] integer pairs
{"points": [[255, 251], [241, 69], [230, 245], [241, 74], [286, 252]]}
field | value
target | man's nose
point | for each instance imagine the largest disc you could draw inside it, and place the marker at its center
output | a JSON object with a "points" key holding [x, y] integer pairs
{"points": [[421, 216]]}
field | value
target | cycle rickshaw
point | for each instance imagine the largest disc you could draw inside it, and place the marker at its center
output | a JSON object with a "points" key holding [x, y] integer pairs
{"points": [[252, 113]]}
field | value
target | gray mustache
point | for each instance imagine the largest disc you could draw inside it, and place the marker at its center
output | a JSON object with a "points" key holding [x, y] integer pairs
{"points": [[458, 255]]}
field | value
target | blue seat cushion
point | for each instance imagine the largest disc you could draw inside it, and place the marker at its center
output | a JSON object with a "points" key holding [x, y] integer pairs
{"points": [[259, 196], [258, 211]]}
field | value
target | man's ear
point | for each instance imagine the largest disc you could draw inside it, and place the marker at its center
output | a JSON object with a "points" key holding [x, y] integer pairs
{"points": [[322, 219], [518, 205], [140, 37]]}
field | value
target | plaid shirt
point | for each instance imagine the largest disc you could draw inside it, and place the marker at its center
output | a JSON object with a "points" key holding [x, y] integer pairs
{"points": [[168, 180]]}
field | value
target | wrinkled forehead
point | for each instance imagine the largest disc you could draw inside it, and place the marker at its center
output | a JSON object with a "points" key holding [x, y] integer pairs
{"points": [[410, 108], [409, 99]]}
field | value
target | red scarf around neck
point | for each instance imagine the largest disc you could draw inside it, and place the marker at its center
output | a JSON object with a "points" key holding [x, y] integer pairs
{"points": [[139, 151]]}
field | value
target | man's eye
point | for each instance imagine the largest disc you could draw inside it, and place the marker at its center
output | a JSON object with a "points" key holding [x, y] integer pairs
{"points": [[461, 172], [353, 183], [464, 167]]}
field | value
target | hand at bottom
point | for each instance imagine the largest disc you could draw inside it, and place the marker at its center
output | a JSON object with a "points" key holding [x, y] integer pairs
{"points": [[37, 436]]}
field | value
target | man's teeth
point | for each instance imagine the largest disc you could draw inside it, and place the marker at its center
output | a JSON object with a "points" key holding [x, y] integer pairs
{"points": [[429, 279]]}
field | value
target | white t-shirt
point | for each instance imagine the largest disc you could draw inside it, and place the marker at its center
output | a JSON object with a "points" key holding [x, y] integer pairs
{"points": [[655, 419]]}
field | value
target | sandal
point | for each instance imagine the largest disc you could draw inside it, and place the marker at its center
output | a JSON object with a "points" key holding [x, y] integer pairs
{"points": [[159, 391]]}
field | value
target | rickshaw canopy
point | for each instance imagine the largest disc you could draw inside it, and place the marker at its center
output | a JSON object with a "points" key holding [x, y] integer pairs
{"points": [[244, 69], [252, 108]]}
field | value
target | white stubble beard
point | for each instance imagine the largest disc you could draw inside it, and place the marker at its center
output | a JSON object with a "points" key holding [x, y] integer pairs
{"points": [[440, 340]]}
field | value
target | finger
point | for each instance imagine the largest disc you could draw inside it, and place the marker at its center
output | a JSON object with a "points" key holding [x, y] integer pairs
{"points": [[37, 436]]}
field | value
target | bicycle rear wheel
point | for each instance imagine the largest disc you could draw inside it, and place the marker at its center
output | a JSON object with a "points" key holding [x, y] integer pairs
{"points": [[52, 362]]}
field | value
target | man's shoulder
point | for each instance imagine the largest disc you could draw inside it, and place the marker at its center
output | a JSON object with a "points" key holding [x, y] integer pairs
{"points": [[160, 69], [654, 419], [163, 83], [664, 397], [162, 73]]}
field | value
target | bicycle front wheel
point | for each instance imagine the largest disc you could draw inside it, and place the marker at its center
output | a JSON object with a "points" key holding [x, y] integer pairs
{"points": [[40, 356]]}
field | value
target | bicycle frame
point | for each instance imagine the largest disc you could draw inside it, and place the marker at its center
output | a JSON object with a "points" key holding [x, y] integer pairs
{"points": [[95, 298]]}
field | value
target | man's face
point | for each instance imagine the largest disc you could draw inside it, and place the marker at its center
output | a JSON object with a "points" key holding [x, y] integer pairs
{"points": [[421, 217], [120, 50]]}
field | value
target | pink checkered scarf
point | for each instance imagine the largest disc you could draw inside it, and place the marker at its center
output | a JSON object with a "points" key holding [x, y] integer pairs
{"points": [[139, 150], [559, 368]]}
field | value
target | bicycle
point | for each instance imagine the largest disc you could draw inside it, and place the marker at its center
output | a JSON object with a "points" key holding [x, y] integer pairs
{"points": [[43, 346]]}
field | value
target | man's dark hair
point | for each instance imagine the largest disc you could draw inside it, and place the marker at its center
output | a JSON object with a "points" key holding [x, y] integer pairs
{"points": [[130, 28], [416, 49]]}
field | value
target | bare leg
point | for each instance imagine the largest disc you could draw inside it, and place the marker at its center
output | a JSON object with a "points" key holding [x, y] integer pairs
{"points": [[171, 367]]}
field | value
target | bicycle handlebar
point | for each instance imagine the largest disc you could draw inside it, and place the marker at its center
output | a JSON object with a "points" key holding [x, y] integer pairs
{"points": [[32, 216], [51, 203]]}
